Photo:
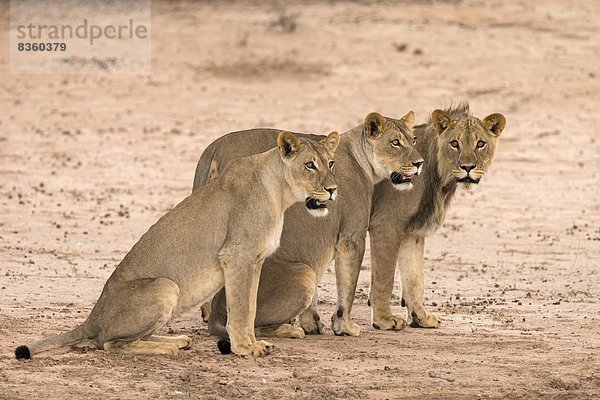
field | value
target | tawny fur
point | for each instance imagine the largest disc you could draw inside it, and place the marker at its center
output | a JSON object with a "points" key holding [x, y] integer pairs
{"points": [[217, 236], [366, 154], [401, 220]]}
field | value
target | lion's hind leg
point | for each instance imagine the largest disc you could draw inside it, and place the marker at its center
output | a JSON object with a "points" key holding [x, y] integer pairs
{"points": [[282, 331], [205, 310], [182, 341], [141, 347], [281, 300], [129, 313]]}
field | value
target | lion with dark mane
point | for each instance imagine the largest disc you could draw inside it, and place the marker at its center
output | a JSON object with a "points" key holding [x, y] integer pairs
{"points": [[458, 149]]}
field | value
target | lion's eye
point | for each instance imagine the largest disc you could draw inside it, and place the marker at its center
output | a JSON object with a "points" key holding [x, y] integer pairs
{"points": [[396, 143], [310, 165], [454, 144], [331, 164], [415, 140], [481, 144]]}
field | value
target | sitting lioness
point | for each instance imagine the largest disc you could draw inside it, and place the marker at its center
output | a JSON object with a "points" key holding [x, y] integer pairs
{"points": [[381, 148], [217, 236], [458, 149]]}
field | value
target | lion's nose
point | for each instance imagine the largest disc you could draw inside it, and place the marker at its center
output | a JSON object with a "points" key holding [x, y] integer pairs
{"points": [[468, 168], [417, 163], [331, 191]]}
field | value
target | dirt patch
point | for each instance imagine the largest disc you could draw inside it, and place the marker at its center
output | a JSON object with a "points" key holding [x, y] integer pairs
{"points": [[269, 68]]}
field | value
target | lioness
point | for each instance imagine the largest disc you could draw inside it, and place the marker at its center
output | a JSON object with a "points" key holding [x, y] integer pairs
{"points": [[458, 149], [379, 148], [217, 236]]}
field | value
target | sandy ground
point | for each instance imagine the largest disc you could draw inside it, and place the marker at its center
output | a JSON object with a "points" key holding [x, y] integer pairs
{"points": [[88, 163]]}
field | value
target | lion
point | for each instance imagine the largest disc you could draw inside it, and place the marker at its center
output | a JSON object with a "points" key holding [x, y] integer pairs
{"points": [[218, 236], [380, 148], [458, 150]]}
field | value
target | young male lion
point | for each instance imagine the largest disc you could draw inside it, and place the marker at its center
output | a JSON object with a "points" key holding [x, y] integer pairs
{"points": [[217, 236], [381, 148], [458, 150]]}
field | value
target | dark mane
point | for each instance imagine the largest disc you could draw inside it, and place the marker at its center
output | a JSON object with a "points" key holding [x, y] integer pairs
{"points": [[459, 110], [436, 198]]}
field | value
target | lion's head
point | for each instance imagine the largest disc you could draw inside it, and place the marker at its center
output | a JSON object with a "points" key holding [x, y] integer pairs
{"points": [[310, 169], [466, 145], [393, 149]]}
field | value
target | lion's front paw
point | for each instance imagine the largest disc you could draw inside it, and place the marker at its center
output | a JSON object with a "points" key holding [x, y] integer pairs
{"points": [[391, 322], [295, 333], [283, 331], [257, 349], [342, 328], [424, 319], [312, 325], [262, 348]]}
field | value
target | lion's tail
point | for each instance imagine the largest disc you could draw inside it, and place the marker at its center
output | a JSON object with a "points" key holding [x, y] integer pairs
{"points": [[224, 345], [70, 338], [216, 327], [207, 168]]}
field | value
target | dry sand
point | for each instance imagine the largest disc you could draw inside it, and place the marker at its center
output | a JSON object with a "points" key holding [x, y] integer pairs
{"points": [[88, 163]]}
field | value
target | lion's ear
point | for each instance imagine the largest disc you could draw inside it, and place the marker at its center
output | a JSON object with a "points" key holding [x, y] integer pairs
{"points": [[331, 142], [409, 119], [288, 144], [441, 121], [495, 123], [375, 124]]}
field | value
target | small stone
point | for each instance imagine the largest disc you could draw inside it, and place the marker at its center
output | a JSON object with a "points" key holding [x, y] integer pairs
{"points": [[186, 376]]}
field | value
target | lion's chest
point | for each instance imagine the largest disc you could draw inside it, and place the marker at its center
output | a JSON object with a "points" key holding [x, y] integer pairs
{"points": [[274, 237]]}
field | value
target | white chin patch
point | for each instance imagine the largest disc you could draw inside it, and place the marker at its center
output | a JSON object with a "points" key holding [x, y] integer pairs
{"points": [[403, 186], [319, 212], [470, 187]]}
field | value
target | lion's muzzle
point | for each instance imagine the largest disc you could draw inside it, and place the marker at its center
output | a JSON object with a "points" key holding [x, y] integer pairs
{"points": [[314, 204], [468, 179], [470, 174], [398, 178]]}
